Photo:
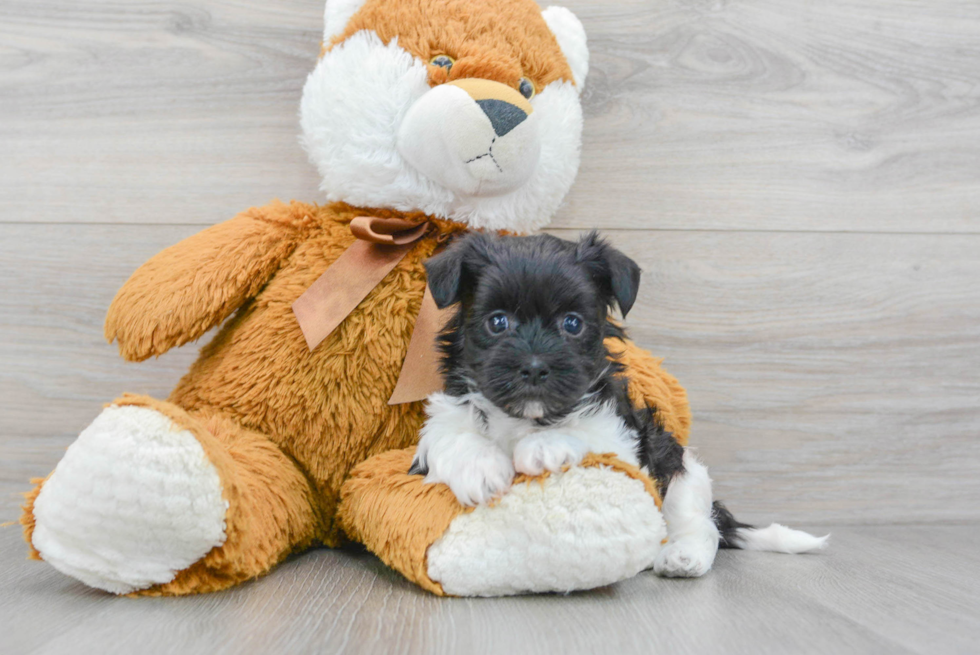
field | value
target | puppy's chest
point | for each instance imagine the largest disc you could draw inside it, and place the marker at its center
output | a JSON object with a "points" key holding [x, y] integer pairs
{"points": [[598, 426]]}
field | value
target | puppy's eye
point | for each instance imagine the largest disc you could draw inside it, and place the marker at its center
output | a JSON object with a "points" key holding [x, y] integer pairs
{"points": [[443, 61], [498, 323], [572, 324], [526, 87]]}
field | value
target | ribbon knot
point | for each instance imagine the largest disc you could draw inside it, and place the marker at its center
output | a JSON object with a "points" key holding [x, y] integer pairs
{"points": [[380, 244]]}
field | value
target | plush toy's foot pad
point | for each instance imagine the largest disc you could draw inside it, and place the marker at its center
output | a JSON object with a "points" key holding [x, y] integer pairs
{"points": [[587, 527], [591, 526], [133, 501]]}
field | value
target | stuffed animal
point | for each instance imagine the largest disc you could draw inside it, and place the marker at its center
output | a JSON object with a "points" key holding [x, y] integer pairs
{"points": [[296, 425]]}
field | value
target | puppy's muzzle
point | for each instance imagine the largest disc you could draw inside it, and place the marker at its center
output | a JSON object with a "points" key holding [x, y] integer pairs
{"points": [[474, 137], [534, 372]]}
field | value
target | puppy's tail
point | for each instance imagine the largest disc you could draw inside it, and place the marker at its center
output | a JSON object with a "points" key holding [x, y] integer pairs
{"points": [[776, 538]]}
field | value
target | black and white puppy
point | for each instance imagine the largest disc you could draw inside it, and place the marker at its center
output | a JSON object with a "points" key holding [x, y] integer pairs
{"points": [[531, 387]]}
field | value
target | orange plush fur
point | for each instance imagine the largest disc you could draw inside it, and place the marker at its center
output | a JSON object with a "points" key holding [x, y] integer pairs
{"points": [[284, 426], [397, 516], [502, 44]]}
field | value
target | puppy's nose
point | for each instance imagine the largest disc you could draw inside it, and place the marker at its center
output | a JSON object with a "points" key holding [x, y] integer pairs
{"points": [[534, 372], [503, 116]]}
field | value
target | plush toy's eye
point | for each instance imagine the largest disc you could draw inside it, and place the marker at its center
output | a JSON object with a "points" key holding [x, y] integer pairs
{"points": [[526, 87], [572, 324], [443, 61], [498, 323]]}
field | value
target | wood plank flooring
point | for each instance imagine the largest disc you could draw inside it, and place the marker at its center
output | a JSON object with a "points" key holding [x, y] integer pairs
{"points": [[884, 589]]}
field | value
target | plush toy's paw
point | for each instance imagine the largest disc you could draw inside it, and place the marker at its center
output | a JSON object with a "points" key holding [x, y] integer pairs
{"points": [[477, 476], [133, 501], [690, 556], [538, 453], [587, 527]]}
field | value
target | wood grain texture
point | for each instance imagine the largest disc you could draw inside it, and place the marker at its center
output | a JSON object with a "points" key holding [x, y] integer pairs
{"points": [[838, 115], [895, 589], [842, 115], [832, 376]]}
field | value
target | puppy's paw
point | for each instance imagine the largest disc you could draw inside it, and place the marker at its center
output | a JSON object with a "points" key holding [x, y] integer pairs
{"points": [[484, 473], [547, 452], [687, 557]]}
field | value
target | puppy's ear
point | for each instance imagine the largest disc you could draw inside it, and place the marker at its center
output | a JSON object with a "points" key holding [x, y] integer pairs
{"points": [[453, 271], [616, 274]]}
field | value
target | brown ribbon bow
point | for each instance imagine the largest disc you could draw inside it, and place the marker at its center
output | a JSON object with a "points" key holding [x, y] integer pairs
{"points": [[381, 243]]}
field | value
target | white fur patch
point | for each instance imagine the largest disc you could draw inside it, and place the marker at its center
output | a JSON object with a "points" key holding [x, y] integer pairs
{"points": [[585, 528], [458, 455], [779, 539], [353, 105], [465, 441], [597, 426], [133, 501], [337, 14], [542, 452], [693, 535], [571, 38]]}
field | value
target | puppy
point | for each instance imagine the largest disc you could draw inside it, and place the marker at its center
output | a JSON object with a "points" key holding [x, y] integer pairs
{"points": [[531, 387]]}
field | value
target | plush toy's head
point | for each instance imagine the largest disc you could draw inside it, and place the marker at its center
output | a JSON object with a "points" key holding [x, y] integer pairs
{"points": [[463, 109]]}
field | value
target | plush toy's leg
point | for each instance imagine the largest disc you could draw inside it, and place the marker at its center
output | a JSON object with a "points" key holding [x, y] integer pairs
{"points": [[691, 531], [590, 526], [153, 500]]}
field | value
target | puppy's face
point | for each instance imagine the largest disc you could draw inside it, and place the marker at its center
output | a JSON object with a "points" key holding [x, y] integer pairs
{"points": [[533, 318]]}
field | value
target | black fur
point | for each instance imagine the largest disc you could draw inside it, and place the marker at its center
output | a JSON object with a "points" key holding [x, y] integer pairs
{"points": [[537, 282], [727, 524], [659, 451], [419, 466]]}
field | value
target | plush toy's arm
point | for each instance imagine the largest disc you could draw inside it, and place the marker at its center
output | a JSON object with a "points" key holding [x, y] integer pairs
{"points": [[185, 290], [652, 386]]}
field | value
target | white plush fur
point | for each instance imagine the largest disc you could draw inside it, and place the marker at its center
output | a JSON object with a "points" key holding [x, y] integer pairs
{"points": [[336, 15], [353, 105], [693, 535], [585, 528], [474, 447], [570, 35], [779, 539], [133, 501]]}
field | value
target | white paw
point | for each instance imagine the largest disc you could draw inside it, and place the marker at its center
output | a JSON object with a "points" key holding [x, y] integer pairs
{"points": [[686, 557], [538, 453], [133, 501], [476, 475]]}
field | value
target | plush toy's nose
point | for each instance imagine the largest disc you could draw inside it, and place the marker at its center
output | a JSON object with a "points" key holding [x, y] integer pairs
{"points": [[503, 116], [504, 106], [474, 137]]}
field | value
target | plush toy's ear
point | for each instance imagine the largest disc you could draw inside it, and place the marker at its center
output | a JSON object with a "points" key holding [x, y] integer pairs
{"points": [[616, 273], [570, 34], [456, 269], [336, 16]]}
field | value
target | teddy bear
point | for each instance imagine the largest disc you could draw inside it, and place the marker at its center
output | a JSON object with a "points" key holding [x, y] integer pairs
{"points": [[296, 425]]}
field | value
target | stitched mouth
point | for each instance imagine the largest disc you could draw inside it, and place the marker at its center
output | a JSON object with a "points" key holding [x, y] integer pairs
{"points": [[488, 153]]}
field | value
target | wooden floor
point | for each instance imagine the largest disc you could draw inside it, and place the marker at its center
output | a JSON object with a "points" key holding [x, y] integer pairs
{"points": [[883, 589], [800, 182]]}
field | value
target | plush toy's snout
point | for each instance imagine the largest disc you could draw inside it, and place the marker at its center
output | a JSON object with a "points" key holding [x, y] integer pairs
{"points": [[476, 137]]}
